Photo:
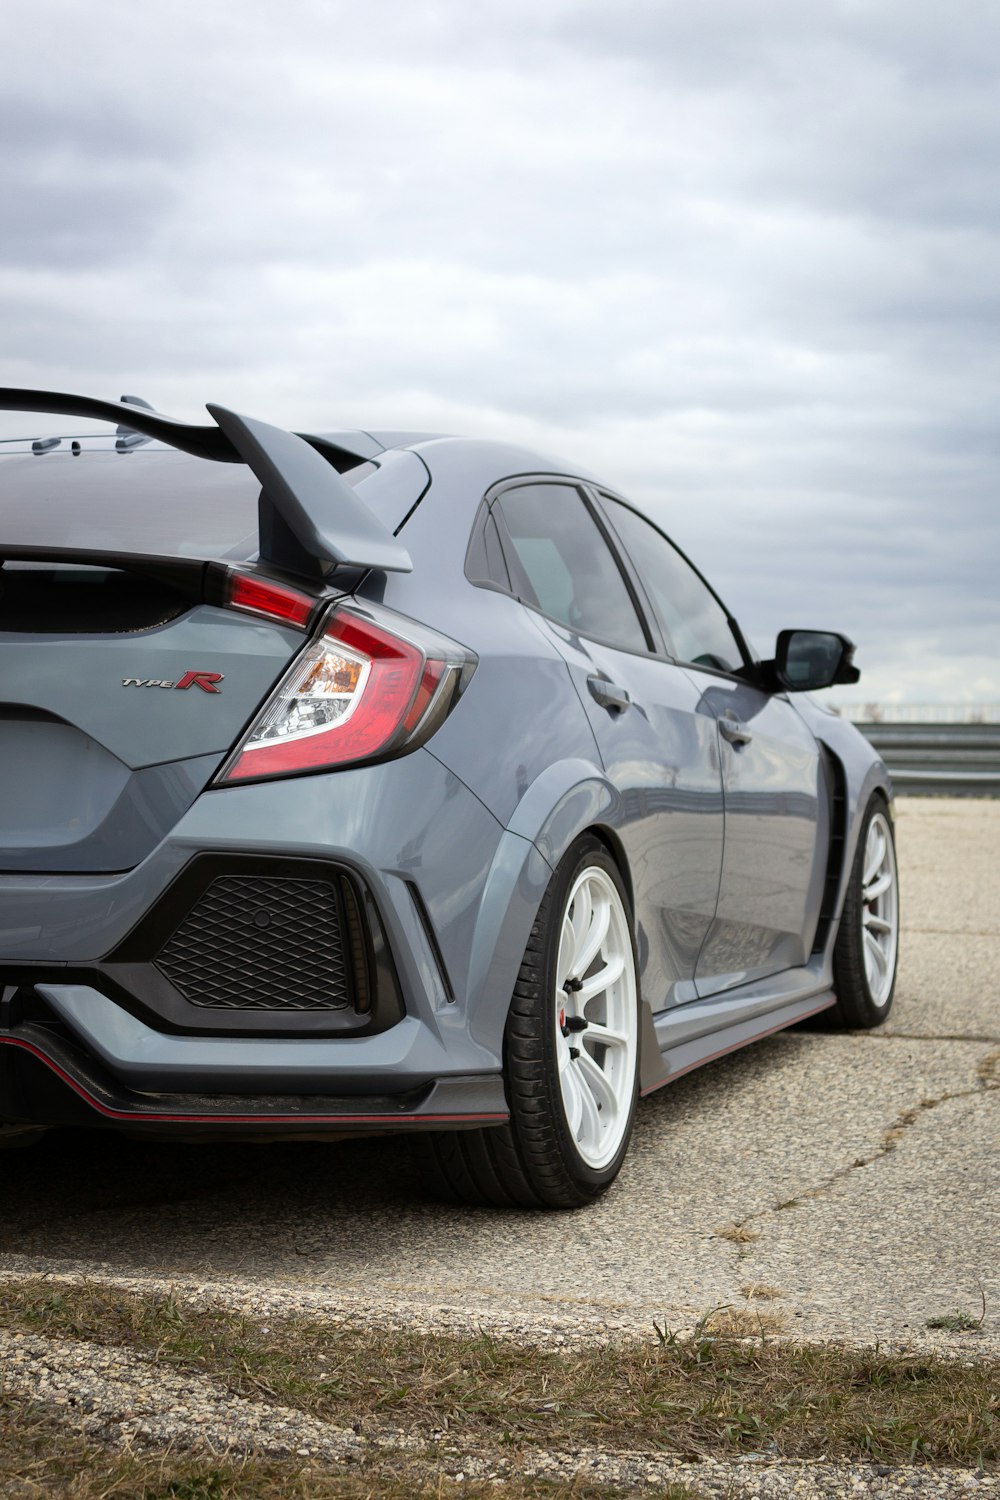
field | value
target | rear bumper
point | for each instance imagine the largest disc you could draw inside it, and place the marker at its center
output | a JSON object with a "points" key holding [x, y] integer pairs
{"points": [[150, 1061], [90, 1032]]}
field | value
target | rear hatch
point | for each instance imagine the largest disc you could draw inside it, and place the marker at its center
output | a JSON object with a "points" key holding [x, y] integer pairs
{"points": [[124, 679], [119, 697], [120, 692]]}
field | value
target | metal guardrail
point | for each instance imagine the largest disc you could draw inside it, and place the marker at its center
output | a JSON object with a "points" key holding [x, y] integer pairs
{"points": [[933, 714], [945, 760]]}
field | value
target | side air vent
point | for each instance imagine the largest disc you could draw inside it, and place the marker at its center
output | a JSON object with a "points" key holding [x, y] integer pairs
{"points": [[269, 943], [835, 863]]}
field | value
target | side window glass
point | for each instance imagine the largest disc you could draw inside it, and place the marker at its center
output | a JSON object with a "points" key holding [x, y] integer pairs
{"points": [[693, 620], [562, 564], [484, 559]]}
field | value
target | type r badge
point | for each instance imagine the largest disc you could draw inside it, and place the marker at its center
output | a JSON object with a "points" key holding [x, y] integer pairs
{"points": [[205, 680]]}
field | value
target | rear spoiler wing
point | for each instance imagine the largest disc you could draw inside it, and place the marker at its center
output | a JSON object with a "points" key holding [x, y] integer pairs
{"points": [[310, 520]]}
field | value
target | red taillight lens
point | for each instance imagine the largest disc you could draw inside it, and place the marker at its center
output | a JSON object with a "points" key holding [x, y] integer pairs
{"points": [[361, 690], [276, 601]]}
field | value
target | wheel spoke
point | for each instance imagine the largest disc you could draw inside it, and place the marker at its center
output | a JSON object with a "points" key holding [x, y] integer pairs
{"points": [[878, 958], [583, 910], [596, 1032], [879, 887], [567, 952], [599, 1085], [874, 857], [573, 1092], [590, 1122], [601, 981], [876, 924], [594, 939]]}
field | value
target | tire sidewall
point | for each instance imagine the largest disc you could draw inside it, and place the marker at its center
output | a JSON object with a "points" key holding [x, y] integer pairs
{"points": [[863, 1009]]}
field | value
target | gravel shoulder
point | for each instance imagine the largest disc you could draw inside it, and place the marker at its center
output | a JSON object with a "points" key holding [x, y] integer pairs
{"points": [[350, 1412]]}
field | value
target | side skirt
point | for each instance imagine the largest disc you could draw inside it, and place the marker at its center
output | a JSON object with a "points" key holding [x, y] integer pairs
{"points": [[698, 1033]]}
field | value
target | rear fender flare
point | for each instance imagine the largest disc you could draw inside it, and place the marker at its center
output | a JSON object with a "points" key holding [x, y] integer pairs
{"points": [[877, 780], [563, 802], [864, 773], [560, 804]]}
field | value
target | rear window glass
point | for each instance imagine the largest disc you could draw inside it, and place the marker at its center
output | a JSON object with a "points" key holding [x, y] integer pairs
{"points": [[154, 502], [158, 504]]}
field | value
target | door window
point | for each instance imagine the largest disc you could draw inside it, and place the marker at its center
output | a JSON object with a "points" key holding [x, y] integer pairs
{"points": [[694, 623]]}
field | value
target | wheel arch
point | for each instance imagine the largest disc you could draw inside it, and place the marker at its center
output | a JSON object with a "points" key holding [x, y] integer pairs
{"points": [[861, 771], [858, 797], [568, 800], [564, 801]]}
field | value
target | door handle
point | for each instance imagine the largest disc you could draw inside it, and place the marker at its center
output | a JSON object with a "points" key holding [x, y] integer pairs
{"points": [[608, 694], [732, 730]]}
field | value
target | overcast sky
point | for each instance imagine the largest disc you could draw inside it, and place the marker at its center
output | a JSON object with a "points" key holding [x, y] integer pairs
{"points": [[739, 257]]}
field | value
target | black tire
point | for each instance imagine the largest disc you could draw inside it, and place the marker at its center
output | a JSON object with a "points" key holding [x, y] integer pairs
{"points": [[859, 1006], [534, 1161]]}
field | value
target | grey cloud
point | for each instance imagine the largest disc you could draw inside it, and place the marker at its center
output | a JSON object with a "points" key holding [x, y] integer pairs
{"points": [[83, 181], [722, 40], [742, 260]]}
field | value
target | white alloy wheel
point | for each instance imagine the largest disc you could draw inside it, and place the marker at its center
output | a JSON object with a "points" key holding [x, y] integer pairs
{"points": [[596, 1017], [879, 909], [571, 1053]]}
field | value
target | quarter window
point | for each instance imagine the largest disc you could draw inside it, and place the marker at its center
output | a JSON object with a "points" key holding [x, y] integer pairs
{"points": [[693, 621], [561, 563]]}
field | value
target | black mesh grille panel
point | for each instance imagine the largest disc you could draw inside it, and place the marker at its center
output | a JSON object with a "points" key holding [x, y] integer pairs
{"points": [[261, 943]]}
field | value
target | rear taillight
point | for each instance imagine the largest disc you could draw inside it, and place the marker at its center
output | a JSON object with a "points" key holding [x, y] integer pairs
{"points": [[372, 685], [266, 597]]}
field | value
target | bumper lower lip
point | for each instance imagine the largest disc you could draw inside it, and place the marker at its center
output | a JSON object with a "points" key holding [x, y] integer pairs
{"points": [[91, 1098]]}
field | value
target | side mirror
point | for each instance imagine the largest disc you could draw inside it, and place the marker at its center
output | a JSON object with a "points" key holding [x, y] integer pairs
{"points": [[807, 660]]}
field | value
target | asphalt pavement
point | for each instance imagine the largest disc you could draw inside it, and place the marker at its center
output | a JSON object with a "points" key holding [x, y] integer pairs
{"points": [[818, 1184]]}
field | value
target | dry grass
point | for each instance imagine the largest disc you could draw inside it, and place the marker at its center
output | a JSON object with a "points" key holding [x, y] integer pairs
{"points": [[714, 1393], [738, 1234], [988, 1071], [904, 1121], [760, 1291], [743, 1323]]}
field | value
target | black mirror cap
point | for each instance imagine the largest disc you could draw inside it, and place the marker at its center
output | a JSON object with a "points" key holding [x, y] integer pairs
{"points": [[807, 660]]}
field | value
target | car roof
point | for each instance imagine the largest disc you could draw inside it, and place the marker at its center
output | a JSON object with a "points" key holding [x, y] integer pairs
{"points": [[84, 494]]}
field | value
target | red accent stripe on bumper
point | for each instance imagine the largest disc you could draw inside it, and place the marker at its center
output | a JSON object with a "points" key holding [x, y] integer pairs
{"points": [[269, 1119]]}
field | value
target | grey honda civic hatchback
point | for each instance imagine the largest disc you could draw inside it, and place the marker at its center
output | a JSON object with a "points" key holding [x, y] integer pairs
{"points": [[370, 781]]}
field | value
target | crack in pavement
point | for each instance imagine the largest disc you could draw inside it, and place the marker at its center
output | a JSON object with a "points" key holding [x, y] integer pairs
{"points": [[741, 1233], [923, 1036]]}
